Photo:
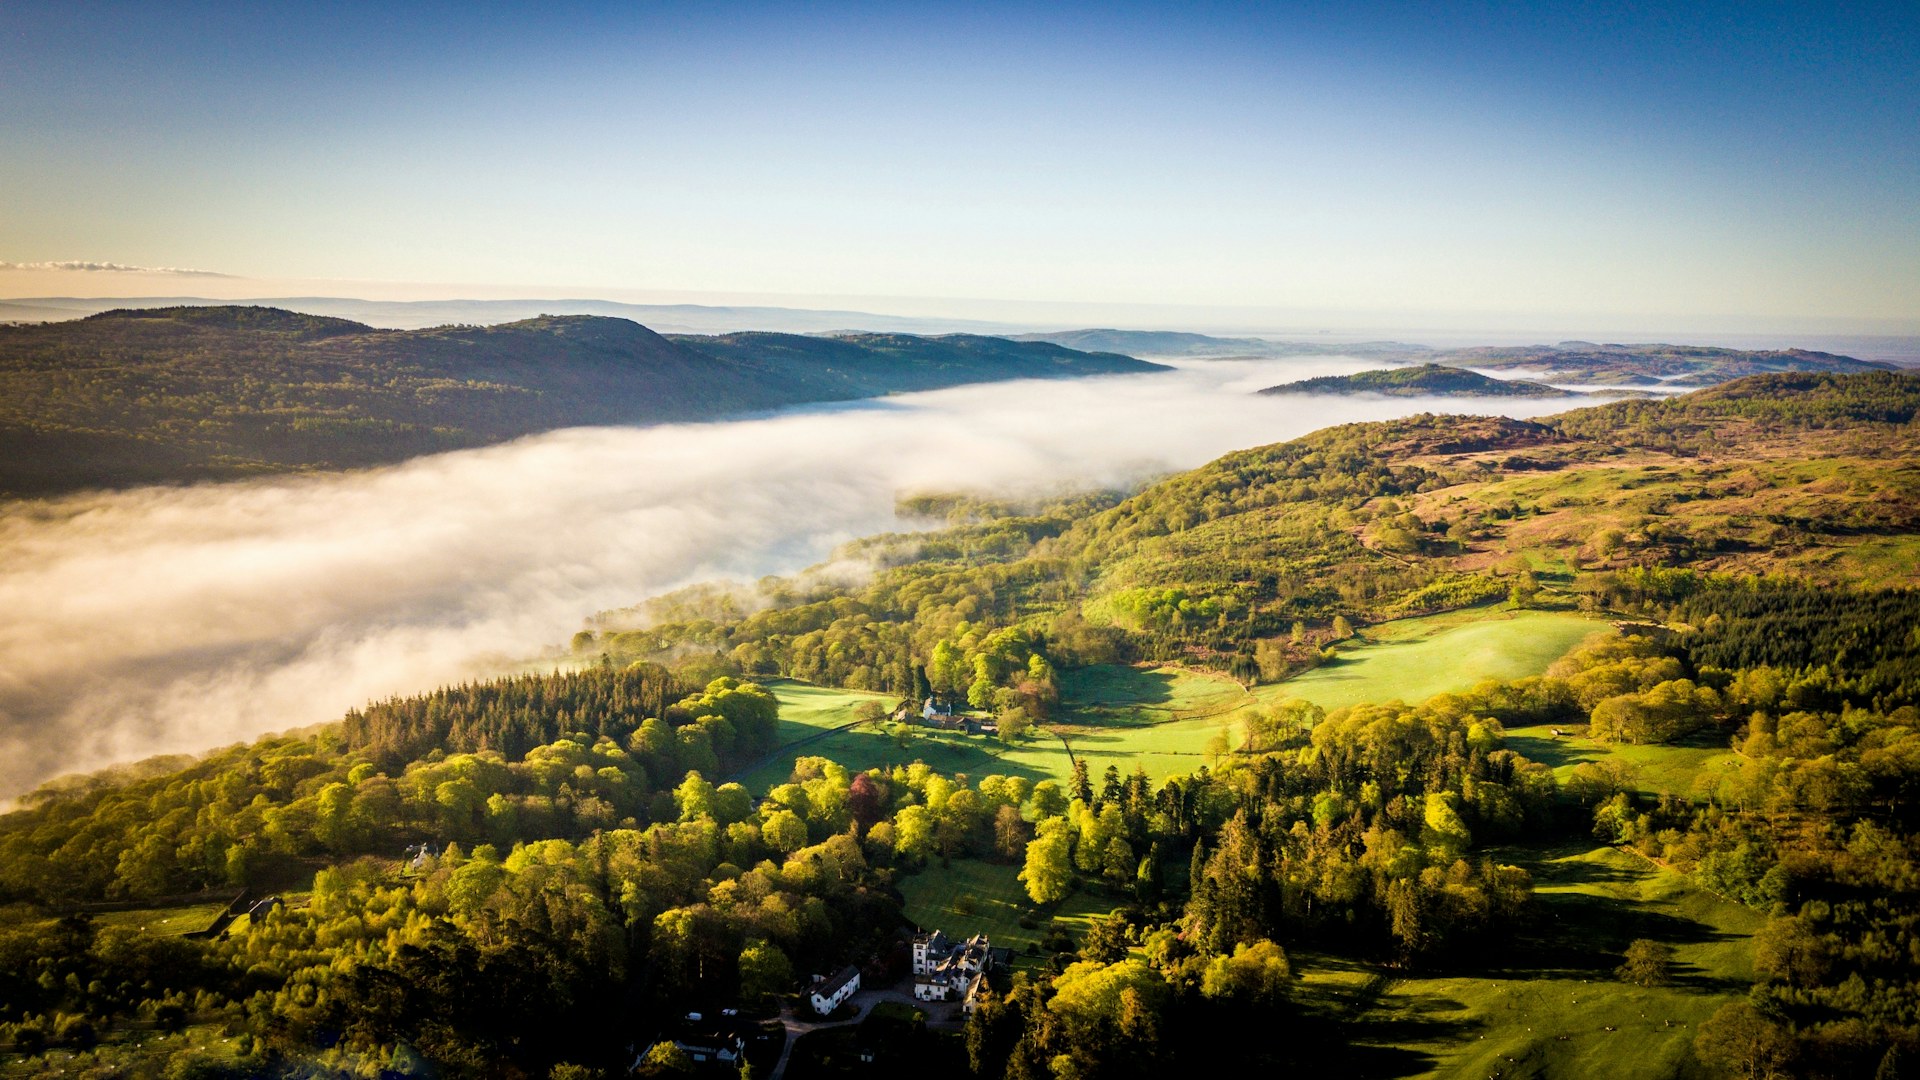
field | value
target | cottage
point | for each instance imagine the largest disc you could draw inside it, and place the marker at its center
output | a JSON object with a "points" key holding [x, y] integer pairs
{"points": [[829, 993]]}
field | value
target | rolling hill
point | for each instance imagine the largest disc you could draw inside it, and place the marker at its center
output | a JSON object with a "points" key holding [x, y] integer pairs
{"points": [[1174, 343], [1422, 381], [192, 393]]}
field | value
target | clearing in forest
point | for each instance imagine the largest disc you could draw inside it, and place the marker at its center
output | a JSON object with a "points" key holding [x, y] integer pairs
{"points": [[971, 896], [1692, 768], [1413, 659], [1556, 1008]]}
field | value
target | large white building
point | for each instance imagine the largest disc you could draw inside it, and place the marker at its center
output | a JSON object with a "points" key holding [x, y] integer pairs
{"points": [[944, 969]]}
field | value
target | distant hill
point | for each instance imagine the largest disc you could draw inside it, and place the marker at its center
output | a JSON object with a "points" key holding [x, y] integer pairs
{"points": [[189, 393], [422, 314], [856, 365], [1171, 343], [1643, 365], [1421, 381]]}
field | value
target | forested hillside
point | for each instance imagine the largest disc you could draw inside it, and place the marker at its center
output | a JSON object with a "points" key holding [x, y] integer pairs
{"points": [[1812, 475], [189, 393]]}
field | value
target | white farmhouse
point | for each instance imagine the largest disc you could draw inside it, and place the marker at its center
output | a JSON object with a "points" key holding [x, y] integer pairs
{"points": [[829, 992]]}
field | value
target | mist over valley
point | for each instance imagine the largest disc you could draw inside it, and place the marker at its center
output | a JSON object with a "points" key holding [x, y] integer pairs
{"points": [[170, 619]]}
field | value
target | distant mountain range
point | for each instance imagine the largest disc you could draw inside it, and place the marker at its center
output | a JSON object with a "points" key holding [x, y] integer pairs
{"points": [[1424, 380], [421, 314], [1569, 361], [1649, 365], [1168, 343], [188, 393]]}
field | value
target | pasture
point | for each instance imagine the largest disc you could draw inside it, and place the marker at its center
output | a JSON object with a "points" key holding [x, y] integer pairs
{"points": [[1691, 768], [1164, 720], [166, 920], [1170, 721], [1413, 659], [969, 896], [1556, 1008]]}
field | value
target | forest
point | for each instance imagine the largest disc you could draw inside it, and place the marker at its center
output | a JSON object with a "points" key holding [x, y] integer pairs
{"points": [[531, 875]]}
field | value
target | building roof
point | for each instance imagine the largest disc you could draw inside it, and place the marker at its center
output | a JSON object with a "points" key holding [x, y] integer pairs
{"points": [[834, 983]]}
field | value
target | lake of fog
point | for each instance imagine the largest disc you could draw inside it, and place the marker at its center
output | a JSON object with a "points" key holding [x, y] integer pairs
{"points": [[176, 619]]}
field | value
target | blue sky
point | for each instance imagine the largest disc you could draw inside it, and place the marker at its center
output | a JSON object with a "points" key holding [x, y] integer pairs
{"points": [[1738, 162]]}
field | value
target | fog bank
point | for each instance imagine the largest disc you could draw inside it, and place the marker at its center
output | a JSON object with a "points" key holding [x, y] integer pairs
{"points": [[177, 619]]}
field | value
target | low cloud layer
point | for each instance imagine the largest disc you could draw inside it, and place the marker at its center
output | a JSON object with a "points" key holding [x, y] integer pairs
{"points": [[110, 268], [177, 619]]}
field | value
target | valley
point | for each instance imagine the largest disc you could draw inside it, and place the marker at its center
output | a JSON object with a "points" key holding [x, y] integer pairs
{"points": [[1442, 717]]}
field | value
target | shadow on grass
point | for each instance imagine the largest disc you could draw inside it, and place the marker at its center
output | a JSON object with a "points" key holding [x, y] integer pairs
{"points": [[1108, 686], [1553, 752], [1582, 936]]}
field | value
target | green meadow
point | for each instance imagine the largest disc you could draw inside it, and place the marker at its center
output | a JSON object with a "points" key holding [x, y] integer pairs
{"points": [[1170, 721], [1413, 659], [969, 896], [166, 920], [1556, 1008], [1691, 768]]}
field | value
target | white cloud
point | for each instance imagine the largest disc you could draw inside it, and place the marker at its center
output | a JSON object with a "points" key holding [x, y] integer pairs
{"points": [[176, 619], [82, 266]]}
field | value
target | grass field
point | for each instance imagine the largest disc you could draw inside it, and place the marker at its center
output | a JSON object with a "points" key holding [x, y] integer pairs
{"points": [[1413, 659], [971, 897], [1115, 715], [1548, 1012], [1168, 720], [173, 920], [809, 712], [1692, 768]]}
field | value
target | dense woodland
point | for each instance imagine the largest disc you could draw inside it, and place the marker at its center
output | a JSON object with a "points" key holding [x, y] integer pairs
{"points": [[190, 393], [592, 867]]}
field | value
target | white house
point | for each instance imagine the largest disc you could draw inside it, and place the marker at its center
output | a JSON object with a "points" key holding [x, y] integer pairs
{"points": [[831, 992]]}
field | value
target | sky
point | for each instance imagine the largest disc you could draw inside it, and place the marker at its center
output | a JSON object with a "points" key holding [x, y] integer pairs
{"points": [[1732, 163]]}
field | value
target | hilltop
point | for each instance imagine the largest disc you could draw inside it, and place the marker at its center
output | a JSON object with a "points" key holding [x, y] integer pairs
{"points": [[192, 393], [1422, 381]]}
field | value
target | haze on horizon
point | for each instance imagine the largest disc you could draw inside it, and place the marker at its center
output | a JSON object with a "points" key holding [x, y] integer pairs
{"points": [[1717, 166]]}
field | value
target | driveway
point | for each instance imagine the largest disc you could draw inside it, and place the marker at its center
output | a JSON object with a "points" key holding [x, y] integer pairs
{"points": [[802, 1020]]}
